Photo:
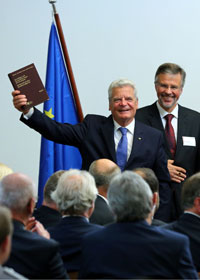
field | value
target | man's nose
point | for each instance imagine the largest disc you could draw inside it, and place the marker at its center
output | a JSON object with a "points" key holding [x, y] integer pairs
{"points": [[168, 90], [123, 102]]}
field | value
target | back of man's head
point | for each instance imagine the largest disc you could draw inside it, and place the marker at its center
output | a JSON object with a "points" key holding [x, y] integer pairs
{"points": [[16, 190], [130, 197], [149, 176], [190, 191], [103, 170], [51, 185], [6, 230], [75, 193]]}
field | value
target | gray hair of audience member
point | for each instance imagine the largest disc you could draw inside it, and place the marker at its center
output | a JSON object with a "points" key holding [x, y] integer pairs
{"points": [[130, 197], [4, 170], [121, 83], [75, 193], [190, 190], [171, 68], [149, 176], [6, 227], [51, 185], [103, 176], [16, 190]]}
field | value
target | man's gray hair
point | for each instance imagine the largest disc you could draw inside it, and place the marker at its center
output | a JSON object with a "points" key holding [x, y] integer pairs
{"points": [[103, 176], [190, 190], [6, 227], [171, 68], [75, 193], [16, 190], [121, 83], [130, 197]]}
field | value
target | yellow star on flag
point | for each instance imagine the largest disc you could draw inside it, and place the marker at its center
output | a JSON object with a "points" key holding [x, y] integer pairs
{"points": [[49, 113]]}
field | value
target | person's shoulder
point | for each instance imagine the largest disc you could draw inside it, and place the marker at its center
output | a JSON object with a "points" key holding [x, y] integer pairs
{"points": [[148, 129], [146, 109], [9, 273], [94, 117], [169, 234], [188, 111]]}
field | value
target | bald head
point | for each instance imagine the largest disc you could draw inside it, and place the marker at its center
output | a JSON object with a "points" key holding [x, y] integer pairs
{"points": [[16, 190], [103, 171]]}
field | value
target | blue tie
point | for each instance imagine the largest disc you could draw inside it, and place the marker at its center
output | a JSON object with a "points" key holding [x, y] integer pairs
{"points": [[122, 149]]}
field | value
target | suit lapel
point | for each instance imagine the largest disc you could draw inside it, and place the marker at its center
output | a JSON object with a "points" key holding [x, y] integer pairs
{"points": [[107, 131], [182, 128]]}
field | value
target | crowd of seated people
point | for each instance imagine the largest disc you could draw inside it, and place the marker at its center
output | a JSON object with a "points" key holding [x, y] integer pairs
{"points": [[72, 246]]}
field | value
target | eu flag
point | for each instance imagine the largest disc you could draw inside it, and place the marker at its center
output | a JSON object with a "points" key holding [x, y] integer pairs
{"points": [[60, 107]]}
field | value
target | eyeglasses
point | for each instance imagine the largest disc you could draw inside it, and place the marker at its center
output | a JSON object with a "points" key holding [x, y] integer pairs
{"points": [[165, 87]]}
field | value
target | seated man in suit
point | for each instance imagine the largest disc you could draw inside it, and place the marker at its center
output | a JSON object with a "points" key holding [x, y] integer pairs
{"points": [[75, 195], [131, 248], [6, 230], [119, 137], [149, 176], [103, 170], [48, 213], [189, 222], [32, 255]]}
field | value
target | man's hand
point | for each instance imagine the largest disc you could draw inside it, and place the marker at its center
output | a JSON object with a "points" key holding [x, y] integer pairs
{"points": [[19, 101], [35, 226], [177, 173]]}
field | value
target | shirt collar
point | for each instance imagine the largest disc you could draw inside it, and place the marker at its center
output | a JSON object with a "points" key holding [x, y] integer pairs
{"points": [[192, 213], [130, 127], [163, 113]]}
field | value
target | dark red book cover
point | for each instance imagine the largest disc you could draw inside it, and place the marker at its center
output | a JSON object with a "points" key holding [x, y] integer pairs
{"points": [[28, 81]]}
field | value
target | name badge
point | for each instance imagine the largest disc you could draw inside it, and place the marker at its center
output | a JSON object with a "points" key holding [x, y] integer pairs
{"points": [[189, 141]]}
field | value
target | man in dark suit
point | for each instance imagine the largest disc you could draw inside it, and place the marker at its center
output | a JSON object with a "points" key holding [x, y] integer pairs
{"points": [[189, 222], [75, 195], [32, 255], [101, 137], [103, 170], [48, 213], [131, 248], [183, 160], [6, 230], [149, 176]]}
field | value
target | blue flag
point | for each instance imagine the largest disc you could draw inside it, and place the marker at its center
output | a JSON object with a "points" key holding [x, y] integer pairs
{"points": [[60, 107]]}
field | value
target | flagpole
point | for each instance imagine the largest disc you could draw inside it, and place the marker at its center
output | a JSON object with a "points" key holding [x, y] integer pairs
{"points": [[67, 61]]}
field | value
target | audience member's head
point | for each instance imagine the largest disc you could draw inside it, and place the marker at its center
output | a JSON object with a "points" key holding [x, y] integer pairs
{"points": [[50, 186], [75, 193], [149, 176], [4, 170], [103, 170], [6, 230], [17, 193], [130, 197], [190, 195]]}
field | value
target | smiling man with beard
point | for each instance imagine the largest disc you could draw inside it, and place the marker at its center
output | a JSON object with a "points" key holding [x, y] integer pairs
{"points": [[118, 137], [182, 144]]}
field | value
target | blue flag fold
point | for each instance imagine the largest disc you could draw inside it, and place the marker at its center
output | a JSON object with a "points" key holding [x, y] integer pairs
{"points": [[60, 107]]}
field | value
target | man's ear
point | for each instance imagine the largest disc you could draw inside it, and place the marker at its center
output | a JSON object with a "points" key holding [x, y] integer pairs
{"points": [[197, 204], [155, 198], [31, 206]]}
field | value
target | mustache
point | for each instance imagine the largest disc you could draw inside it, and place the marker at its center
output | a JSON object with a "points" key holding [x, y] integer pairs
{"points": [[167, 95]]}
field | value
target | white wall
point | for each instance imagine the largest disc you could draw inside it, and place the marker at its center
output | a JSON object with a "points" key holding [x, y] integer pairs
{"points": [[106, 39]]}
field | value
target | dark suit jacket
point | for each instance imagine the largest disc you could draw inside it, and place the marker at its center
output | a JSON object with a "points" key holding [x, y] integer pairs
{"points": [[34, 256], [47, 216], [94, 138], [102, 214], [189, 225], [136, 250], [69, 233], [186, 156]]}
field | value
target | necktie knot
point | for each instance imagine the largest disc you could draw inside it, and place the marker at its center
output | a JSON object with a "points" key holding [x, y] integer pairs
{"points": [[123, 130], [169, 117]]}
